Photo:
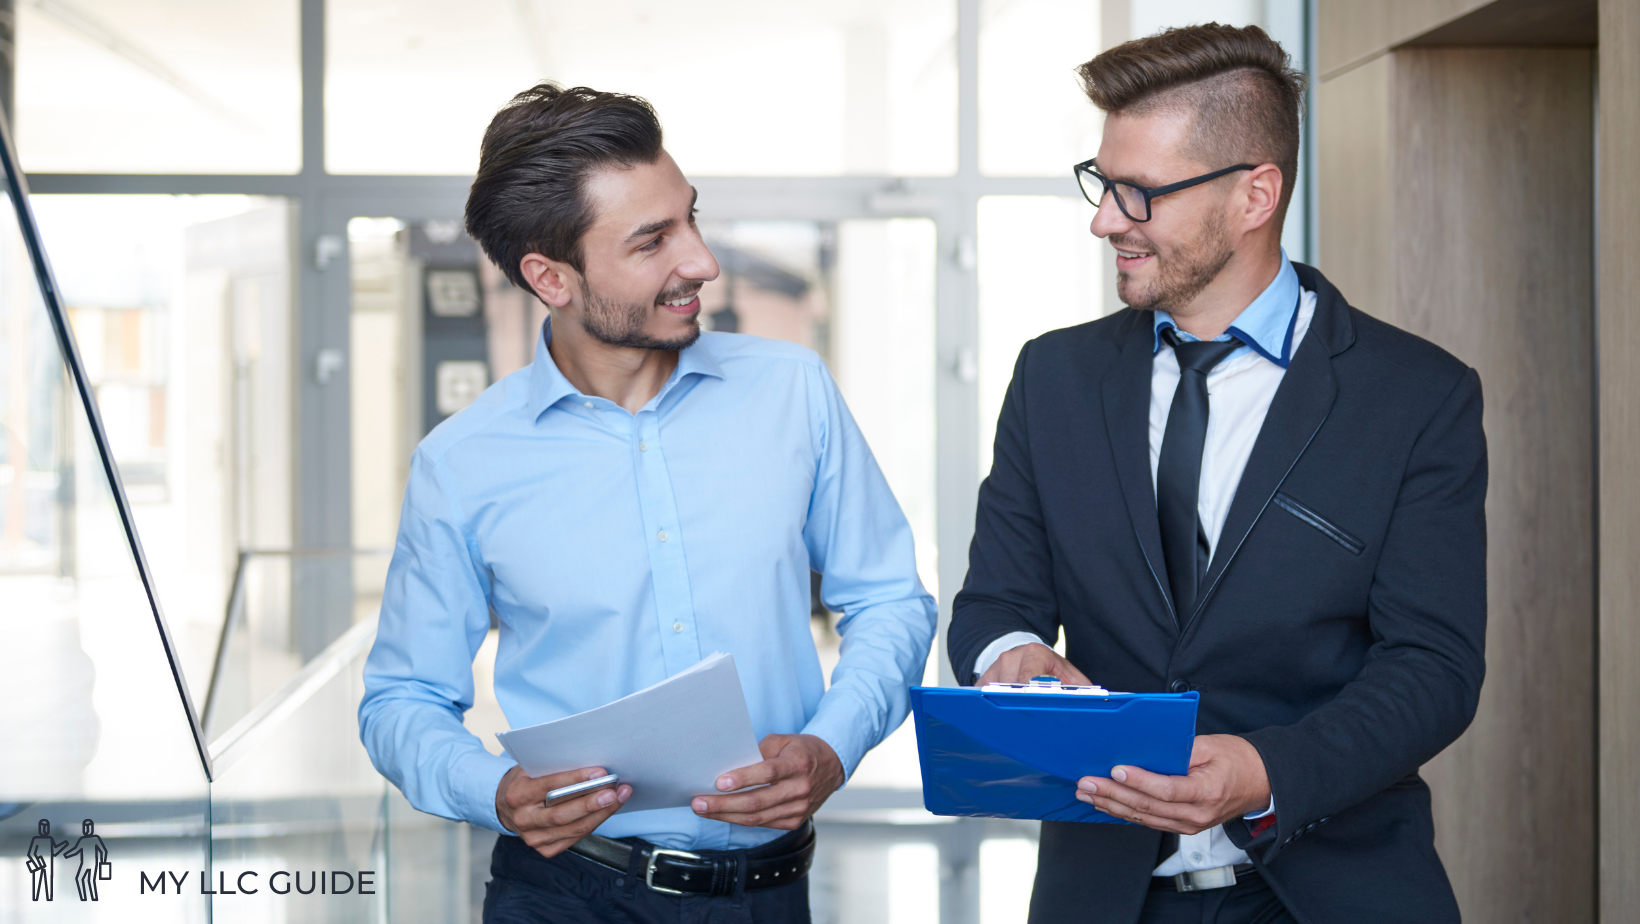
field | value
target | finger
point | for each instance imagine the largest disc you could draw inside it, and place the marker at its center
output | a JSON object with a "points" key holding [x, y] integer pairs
{"points": [[752, 808], [1185, 816], [1156, 785], [580, 814], [1126, 812], [993, 674], [768, 771], [755, 800], [525, 789], [786, 813], [1067, 673]]}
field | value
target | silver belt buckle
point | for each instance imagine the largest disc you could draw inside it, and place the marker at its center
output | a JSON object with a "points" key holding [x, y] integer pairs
{"points": [[1197, 880], [655, 854]]}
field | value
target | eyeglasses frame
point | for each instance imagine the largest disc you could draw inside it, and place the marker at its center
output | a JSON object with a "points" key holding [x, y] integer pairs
{"points": [[1148, 192]]}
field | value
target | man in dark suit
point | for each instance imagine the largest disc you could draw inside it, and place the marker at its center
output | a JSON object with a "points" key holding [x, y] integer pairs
{"points": [[1239, 485]]}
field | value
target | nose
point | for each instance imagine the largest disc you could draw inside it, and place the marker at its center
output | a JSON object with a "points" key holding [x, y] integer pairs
{"points": [[698, 264], [1109, 219]]}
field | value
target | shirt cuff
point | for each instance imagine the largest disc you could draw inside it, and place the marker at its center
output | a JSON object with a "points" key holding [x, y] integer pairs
{"points": [[988, 656], [1271, 810], [479, 777]]}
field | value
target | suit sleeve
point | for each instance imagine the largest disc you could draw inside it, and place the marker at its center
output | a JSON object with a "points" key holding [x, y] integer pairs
{"points": [[1009, 587], [1420, 684]]}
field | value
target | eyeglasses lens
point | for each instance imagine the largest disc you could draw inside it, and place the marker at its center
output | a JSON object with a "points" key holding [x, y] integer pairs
{"points": [[1132, 201]]}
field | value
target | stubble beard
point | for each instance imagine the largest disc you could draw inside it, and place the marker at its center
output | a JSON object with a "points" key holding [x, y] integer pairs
{"points": [[1182, 274], [621, 324]]}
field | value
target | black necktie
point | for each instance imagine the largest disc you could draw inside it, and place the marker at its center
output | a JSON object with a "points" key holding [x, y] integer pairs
{"points": [[1179, 471]]}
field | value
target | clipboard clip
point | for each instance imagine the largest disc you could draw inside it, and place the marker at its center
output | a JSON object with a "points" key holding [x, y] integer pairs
{"points": [[1046, 683]]}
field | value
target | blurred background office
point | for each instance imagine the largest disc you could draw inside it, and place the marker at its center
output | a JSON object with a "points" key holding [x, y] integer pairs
{"points": [[253, 213]]}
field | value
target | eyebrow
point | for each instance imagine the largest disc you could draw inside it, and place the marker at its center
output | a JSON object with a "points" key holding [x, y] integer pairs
{"points": [[645, 230], [1136, 181]]}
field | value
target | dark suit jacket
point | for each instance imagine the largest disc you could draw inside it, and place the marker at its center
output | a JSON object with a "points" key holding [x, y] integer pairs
{"points": [[1342, 620]]}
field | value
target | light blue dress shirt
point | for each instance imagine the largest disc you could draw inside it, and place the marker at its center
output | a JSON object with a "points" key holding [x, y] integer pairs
{"points": [[617, 549], [1264, 327]]}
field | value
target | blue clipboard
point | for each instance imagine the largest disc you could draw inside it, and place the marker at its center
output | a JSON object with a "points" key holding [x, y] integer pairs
{"points": [[1019, 755]]}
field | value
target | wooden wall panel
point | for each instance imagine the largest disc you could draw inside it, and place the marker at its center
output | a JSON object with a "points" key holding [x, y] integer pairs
{"points": [[1351, 31], [1354, 191], [1494, 254], [1618, 324], [1474, 229]]}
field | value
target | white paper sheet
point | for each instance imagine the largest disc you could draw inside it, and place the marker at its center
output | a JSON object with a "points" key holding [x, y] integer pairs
{"points": [[670, 741]]}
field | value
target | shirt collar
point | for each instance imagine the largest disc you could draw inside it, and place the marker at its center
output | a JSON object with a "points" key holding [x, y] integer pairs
{"points": [[1266, 325], [548, 385]]}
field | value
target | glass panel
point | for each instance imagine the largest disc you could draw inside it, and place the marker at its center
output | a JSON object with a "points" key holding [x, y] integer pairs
{"points": [[158, 86], [860, 86], [1033, 117], [298, 823], [183, 313], [267, 642], [1039, 269], [99, 761]]}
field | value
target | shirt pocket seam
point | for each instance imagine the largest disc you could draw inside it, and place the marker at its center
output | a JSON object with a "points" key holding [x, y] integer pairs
{"points": [[1320, 523]]}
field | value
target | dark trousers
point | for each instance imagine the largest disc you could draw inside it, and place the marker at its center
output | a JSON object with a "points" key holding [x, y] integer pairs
{"points": [[527, 888], [1249, 901]]}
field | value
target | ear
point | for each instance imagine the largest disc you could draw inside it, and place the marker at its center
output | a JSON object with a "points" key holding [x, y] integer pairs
{"points": [[553, 282], [1264, 185]]}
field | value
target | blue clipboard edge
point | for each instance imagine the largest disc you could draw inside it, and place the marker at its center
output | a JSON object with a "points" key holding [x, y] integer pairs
{"points": [[972, 767]]}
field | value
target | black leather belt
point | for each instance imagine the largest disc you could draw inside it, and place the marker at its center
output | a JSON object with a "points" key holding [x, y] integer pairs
{"points": [[676, 872], [1219, 877]]}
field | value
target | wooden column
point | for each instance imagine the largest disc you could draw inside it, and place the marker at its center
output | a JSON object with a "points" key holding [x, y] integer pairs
{"points": [[1618, 327], [1456, 201]]}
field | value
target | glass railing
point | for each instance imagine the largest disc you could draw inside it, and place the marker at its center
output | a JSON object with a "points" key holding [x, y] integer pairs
{"points": [[102, 766], [266, 639], [117, 797]]}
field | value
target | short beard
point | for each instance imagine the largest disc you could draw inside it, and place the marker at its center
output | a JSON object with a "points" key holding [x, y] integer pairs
{"points": [[621, 324], [1185, 273]]}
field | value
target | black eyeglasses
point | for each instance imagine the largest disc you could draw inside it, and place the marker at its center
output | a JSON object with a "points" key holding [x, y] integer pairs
{"points": [[1134, 200]]}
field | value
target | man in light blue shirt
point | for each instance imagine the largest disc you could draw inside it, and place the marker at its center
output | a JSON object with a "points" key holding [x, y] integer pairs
{"points": [[640, 496]]}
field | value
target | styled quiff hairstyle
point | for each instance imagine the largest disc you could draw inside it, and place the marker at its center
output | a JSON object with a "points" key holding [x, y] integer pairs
{"points": [[529, 193], [1237, 84]]}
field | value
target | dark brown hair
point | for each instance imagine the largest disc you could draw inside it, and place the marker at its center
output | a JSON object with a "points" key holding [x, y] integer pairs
{"points": [[1237, 84], [528, 195]]}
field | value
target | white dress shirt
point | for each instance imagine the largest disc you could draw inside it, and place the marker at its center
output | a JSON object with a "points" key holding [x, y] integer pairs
{"points": [[1240, 389]]}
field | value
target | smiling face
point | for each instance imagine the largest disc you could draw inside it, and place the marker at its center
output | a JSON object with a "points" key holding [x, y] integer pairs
{"points": [[1167, 262], [645, 260]]}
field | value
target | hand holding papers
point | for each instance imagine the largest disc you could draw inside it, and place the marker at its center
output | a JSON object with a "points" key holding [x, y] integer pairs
{"points": [[670, 741], [1016, 751]]}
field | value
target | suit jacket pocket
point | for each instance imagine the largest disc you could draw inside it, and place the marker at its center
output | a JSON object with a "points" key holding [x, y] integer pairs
{"points": [[1321, 523]]}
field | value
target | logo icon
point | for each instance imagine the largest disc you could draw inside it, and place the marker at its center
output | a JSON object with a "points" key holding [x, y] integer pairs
{"points": [[43, 850]]}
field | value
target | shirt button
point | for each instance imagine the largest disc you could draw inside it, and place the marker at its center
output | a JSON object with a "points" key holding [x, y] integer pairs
{"points": [[677, 627], [587, 403], [643, 446], [661, 535], [1196, 855]]}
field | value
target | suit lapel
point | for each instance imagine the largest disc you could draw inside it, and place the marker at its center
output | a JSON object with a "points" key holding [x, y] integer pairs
{"points": [[1127, 420], [1301, 405]]}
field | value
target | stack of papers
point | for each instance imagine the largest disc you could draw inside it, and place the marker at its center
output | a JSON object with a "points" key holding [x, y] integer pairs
{"points": [[670, 741]]}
